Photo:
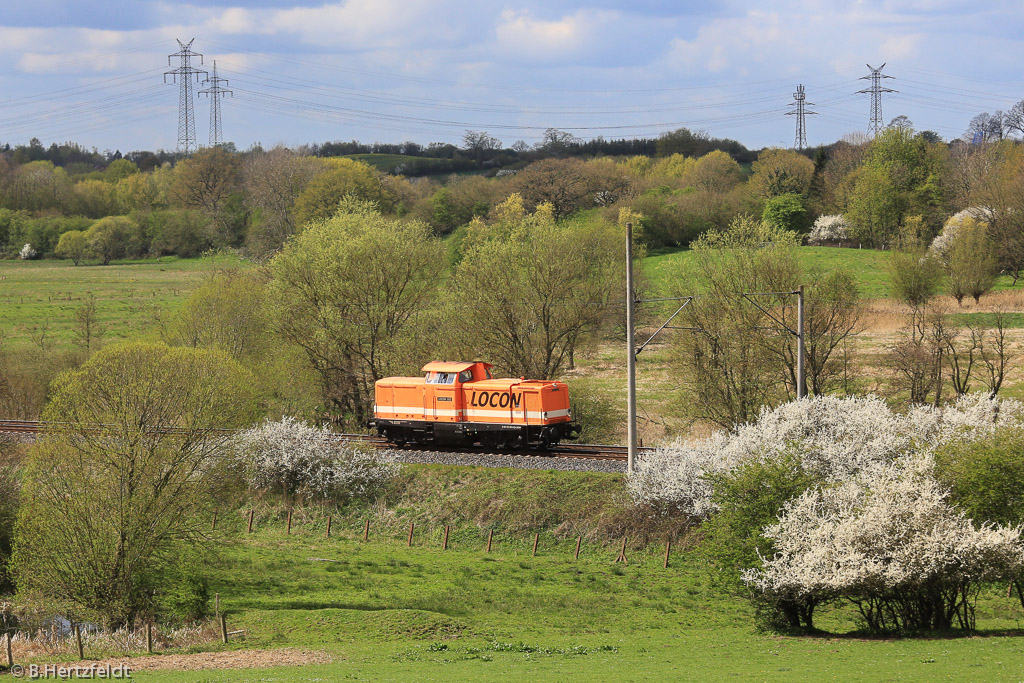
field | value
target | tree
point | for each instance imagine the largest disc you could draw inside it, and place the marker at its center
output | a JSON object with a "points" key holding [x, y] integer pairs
{"points": [[107, 509], [350, 292], [915, 272], [780, 171], [993, 181], [714, 172], [970, 261], [899, 178], [88, 330], [227, 312], [557, 142], [1014, 119], [524, 309], [729, 375], [109, 237], [479, 144], [341, 178], [786, 212], [273, 182], [73, 245], [740, 359], [208, 181], [567, 185], [986, 127]]}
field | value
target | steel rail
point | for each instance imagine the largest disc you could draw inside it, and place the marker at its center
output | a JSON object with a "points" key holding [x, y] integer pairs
{"points": [[575, 450]]}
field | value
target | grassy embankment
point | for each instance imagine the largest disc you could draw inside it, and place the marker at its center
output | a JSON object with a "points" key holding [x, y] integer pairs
{"points": [[385, 612]]}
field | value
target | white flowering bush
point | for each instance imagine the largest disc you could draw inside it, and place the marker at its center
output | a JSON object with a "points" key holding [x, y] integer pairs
{"points": [[888, 541], [833, 438], [831, 228], [970, 418], [293, 455], [944, 240], [27, 252]]}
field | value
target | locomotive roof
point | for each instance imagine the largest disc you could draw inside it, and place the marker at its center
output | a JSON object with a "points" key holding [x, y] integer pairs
{"points": [[450, 366]]}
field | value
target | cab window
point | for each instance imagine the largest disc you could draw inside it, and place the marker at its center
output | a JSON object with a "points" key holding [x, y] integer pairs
{"points": [[440, 378], [466, 376]]}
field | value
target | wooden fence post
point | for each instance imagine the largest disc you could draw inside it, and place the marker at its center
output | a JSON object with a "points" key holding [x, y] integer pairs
{"points": [[622, 553], [412, 525], [223, 628], [288, 529], [668, 549], [366, 531], [490, 535], [579, 540], [444, 546], [328, 535], [78, 641], [10, 653], [149, 638], [249, 530], [536, 538], [213, 527]]}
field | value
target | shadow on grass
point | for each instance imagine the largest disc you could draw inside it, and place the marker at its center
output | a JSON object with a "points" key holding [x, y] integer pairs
{"points": [[863, 635]]}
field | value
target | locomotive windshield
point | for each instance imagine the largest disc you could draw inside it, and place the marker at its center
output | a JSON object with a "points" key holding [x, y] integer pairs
{"points": [[440, 378]]}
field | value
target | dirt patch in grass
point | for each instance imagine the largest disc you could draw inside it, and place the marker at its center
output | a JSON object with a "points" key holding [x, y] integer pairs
{"points": [[234, 659]]}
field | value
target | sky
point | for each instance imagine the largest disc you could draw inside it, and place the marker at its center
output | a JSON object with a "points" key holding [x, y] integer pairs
{"points": [[93, 71]]}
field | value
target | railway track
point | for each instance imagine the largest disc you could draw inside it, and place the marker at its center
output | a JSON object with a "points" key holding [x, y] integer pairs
{"points": [[575, 450]]}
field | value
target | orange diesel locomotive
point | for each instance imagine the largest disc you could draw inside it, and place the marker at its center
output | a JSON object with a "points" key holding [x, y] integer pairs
{"points": [[461, 404]]}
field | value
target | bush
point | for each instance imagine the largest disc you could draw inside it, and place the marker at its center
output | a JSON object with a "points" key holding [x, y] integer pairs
{"points": [[749, 498], [298, 458], [833, 439], [890, 543], [598, 416], [986, 478], [184, 594], [105, 511], [786, 212], [829, 229]]}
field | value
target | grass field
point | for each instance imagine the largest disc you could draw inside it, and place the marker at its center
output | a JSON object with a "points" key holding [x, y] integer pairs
{"points": [[869, 267], [386, 612], [40, 297]]}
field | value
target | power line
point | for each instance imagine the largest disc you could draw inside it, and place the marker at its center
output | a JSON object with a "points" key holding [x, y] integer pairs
{"points": [[183, 76], [875, 126], [215, 92]]}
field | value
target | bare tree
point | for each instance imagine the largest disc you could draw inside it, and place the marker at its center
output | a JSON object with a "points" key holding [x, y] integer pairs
{"points": [[917, 358], [273, 181], [480, 144], [989, 127], [88, 330], [995, 354]]}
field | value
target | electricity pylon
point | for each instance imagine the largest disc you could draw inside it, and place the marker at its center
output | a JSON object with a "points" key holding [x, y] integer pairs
{"points": [[183, 75], [215, 92], [800, 112], [876, 90]]}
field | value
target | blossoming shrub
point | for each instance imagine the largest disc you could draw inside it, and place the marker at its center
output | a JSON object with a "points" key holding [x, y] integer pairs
{"points": [[293, 455], [829, 229], [888, 541], [944, 240], [833, 438], [830, 437]]}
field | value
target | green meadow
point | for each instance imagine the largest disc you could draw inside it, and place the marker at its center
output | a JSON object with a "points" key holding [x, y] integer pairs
{"points": [[386, 612]]}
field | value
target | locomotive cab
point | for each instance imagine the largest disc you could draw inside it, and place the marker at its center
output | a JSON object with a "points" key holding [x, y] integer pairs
{"points": [[461, 403]]}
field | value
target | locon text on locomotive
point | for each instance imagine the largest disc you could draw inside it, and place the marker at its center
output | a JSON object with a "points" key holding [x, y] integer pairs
{"points": [[494, 399]]}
